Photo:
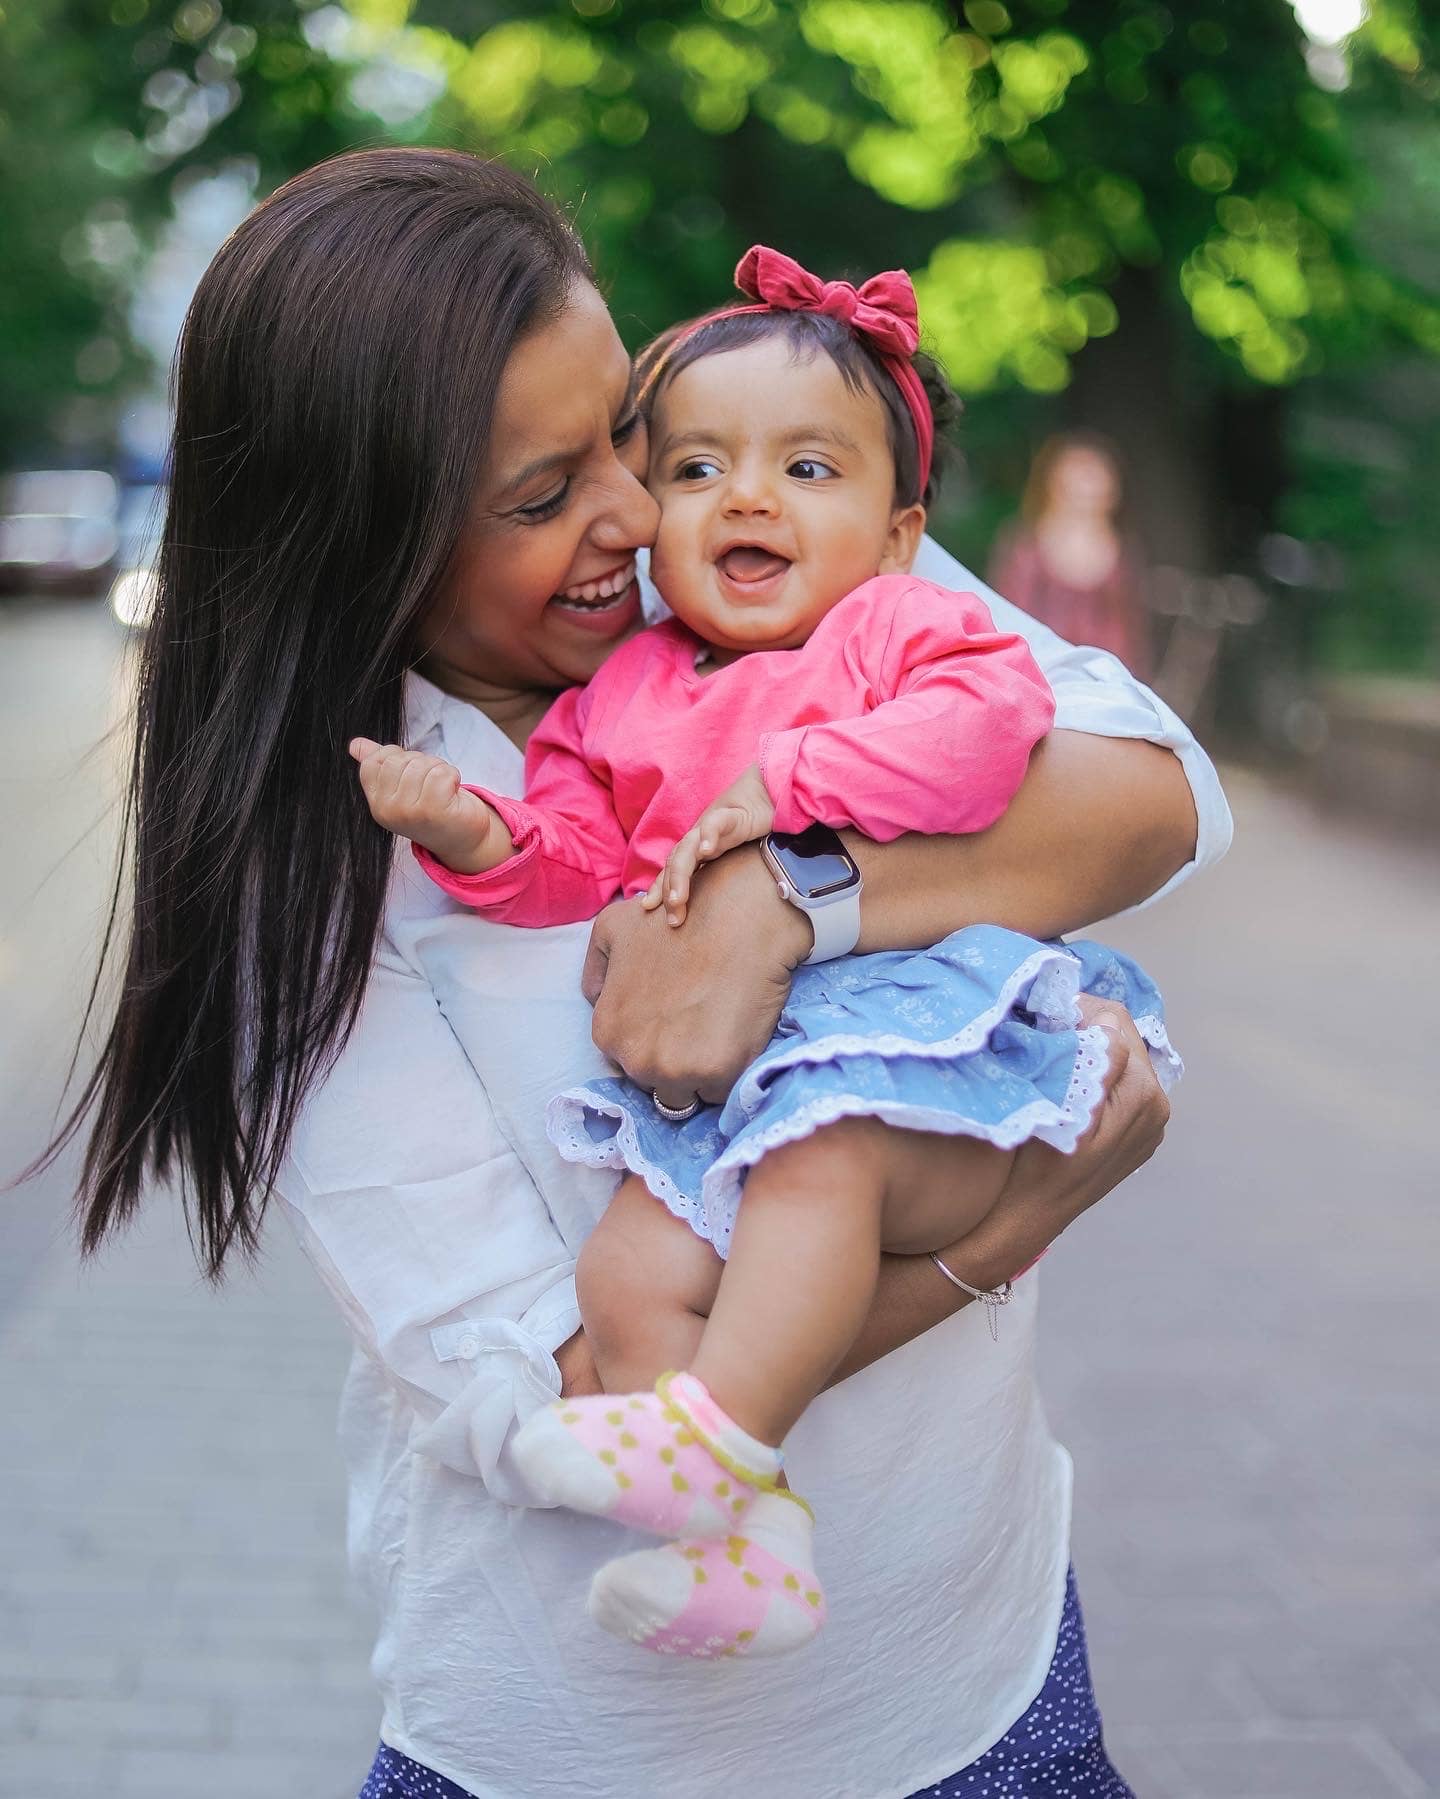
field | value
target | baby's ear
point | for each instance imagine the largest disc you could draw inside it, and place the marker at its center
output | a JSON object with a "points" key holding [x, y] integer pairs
{"points": [[907, 527]]}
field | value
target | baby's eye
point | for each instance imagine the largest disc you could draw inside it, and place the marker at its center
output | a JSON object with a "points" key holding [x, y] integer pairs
{"points": [[698, 468], [810, 468]]}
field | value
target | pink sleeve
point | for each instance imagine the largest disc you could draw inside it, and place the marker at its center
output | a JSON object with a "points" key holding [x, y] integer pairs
{"points": [[569, 845], [959, 707]]}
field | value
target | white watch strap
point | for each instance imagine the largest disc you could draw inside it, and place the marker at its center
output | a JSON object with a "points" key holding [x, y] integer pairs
{"points": [[836, 927]]}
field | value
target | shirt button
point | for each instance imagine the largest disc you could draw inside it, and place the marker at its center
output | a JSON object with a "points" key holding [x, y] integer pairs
{"points": [[468, 1347]]}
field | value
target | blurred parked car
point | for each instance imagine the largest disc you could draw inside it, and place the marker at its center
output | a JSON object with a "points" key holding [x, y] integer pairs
{"points": [[142, 518], [59, 530]]}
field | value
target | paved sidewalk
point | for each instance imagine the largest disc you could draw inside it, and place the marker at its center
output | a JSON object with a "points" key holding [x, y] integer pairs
{"points": [[1240, 1349], [175, 1612]]}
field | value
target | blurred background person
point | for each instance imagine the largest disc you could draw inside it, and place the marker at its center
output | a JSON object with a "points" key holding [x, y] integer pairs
{"points": [[1068, 559]]}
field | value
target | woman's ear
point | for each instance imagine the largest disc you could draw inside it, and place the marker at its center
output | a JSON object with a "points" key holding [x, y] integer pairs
{"points": [[907, 527]]}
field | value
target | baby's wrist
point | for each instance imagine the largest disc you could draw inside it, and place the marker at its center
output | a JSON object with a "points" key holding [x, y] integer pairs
{"points": [[472, 848]]}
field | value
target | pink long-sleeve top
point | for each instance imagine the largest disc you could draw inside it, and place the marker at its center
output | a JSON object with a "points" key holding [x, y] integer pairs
{"points": [[905, 711]]}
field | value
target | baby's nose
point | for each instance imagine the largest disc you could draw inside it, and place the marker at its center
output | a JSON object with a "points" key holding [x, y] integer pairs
{"points": [[751, 493]]}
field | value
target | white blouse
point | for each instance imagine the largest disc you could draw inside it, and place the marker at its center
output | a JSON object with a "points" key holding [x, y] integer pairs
{"points": [[431, 1203]]}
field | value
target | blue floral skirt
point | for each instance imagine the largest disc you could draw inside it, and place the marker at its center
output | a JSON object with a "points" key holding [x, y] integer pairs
{"points": [[976, 1037], [1055, 1751]]}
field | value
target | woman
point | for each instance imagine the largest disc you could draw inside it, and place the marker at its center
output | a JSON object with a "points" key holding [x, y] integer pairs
{"points": [[405, 472], [1067, 561]]}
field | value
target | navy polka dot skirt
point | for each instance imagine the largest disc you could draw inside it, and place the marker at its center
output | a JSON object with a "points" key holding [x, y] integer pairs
{"points": [[1055, 1751]]}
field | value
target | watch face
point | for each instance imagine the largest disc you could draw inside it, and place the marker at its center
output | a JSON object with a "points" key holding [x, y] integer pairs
{"points": [[815, 861]]}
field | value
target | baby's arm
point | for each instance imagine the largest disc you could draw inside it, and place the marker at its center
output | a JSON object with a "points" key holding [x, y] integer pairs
{"points": [[958, 706], [742, 814], [943, 749], [555, 857], [421, 797]]}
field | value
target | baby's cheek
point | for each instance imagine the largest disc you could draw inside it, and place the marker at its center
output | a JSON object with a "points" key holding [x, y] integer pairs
{"points": [[679, 571]]}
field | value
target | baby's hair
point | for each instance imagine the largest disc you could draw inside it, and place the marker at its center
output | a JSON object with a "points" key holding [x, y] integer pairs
{"points": [[860, 368]]}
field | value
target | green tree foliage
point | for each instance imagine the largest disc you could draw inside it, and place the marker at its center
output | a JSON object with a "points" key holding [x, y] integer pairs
{"points": [[104, 104], [1160, 219]]}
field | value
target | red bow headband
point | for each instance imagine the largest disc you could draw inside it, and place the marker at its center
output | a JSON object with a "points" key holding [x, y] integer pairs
{"points": [[882, 311]]}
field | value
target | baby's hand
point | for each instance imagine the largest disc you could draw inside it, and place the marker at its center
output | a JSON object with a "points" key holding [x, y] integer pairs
{"points": [[743, 813], [420, 797]]}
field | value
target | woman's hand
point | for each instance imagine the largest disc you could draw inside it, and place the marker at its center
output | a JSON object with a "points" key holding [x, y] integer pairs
{"points": [[1047, 1191], [742, 814], [683, 1012]]}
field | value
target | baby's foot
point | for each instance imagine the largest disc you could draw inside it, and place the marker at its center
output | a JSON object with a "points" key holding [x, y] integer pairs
{"points": [[755, 1594], [670, 1461]]}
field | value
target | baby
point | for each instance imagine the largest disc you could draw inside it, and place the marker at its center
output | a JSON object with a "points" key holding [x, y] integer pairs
{"points": [[806, 682]]}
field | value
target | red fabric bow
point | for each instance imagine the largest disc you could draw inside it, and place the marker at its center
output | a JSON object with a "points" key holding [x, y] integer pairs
{"points": [[882, 310]]}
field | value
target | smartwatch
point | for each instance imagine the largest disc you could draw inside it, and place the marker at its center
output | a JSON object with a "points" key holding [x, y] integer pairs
{"points": [[814, 871]]}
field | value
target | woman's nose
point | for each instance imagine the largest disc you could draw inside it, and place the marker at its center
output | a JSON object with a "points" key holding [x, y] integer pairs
{"points": [[632, 518]]}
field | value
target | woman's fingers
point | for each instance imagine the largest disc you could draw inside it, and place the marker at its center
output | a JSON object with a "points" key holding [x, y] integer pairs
{"points": [[1132, 1119], [674, 1095], [685, 1011], [1047, 1191]]}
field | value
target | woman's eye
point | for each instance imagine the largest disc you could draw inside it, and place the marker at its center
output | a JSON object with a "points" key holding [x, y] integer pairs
{"points": [[546, 508], [699, 468], [810, 468], [626, 429]]}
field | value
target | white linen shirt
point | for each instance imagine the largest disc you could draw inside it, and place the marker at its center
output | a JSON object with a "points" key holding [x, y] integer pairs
{"points": [[434, 1208]]}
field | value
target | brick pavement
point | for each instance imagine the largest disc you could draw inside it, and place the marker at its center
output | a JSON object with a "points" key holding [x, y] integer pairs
{"points": [[1239, 1349], [176, 1618]]}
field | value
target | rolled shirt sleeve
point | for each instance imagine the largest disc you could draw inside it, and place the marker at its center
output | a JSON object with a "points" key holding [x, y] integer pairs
{"points": [[1097, 694]]}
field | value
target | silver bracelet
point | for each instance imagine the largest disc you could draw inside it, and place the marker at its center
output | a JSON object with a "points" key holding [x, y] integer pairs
{"points": [[992, 1298]]}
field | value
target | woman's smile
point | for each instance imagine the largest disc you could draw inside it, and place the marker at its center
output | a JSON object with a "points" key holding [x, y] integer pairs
{"points": [[609, 605], [543, 585]]}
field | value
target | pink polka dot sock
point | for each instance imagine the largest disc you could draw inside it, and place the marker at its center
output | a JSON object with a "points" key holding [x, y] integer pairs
{"points": [[670, 1461], [736, 1595]]}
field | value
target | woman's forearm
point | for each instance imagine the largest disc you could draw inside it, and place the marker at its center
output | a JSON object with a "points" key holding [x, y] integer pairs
{"points": [[1099, 824], [911, 1296], [1043, 1195]]}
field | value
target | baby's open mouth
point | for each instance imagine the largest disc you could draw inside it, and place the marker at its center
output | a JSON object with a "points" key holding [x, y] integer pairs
{"points": [[747, 564]]}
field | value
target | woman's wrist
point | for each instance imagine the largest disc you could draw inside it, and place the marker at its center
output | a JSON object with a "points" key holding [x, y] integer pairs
{"points": [[740, 886]]}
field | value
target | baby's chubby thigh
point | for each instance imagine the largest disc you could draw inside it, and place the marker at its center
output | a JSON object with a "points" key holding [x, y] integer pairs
{"points": [[645, 1284], [938, 1187]]}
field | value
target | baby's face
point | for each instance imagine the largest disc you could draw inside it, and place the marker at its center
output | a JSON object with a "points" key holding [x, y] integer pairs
{"points": [[777, 495]]}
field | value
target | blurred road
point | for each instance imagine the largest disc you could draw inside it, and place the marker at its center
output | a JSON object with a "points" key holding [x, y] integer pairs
{"points": [[1240, 1349]]}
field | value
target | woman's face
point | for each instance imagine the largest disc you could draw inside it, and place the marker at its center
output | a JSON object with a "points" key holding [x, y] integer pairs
{"points": [[543, 584], [1085, 480]]}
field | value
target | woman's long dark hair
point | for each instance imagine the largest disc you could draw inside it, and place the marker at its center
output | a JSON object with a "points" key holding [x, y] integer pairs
{"points": [[335, 386]]}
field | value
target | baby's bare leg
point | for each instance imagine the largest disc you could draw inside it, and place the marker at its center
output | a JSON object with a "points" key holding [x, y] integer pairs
{"points": [[645, 1283], [806, 1254]]}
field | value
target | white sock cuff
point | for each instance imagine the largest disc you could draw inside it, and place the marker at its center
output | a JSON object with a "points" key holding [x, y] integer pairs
{"points": [[745, 1456]]}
